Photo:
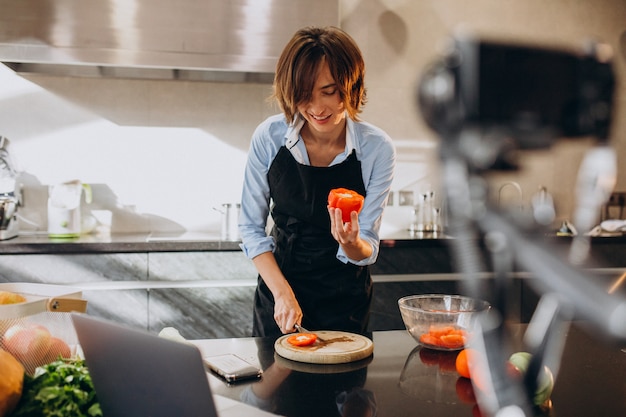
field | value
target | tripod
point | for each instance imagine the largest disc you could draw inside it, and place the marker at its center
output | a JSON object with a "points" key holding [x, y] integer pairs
{"points": [[474, 101]]}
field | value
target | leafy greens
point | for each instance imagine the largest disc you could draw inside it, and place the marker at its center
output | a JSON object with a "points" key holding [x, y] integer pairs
{"points": [[59, 389]]}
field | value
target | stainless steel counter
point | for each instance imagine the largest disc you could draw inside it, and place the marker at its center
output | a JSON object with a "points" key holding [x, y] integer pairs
{"points": [[189, 241], [117, 243]]}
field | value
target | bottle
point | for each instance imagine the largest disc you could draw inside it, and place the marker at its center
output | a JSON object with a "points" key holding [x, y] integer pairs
{"points": [[437, 225], [543, 207], [428, 211], [417, 223]]}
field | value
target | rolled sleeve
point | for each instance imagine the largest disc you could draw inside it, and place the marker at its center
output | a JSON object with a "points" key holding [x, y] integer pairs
{"points": [[255, 199], [258, 246], [373, 241], [377, 154]]}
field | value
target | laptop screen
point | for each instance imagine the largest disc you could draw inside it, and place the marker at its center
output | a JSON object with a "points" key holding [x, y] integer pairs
{"points": [[139, 374]]}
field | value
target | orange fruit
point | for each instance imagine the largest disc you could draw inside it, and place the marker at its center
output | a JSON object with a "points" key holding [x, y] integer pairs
{"points": [[462, 363], [11, 383]]}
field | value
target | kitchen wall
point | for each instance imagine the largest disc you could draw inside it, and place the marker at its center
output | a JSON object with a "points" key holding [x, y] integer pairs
{"points": [[162, 155]]}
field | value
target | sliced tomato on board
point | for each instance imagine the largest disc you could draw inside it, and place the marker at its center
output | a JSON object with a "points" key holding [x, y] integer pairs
{"points": [[346, 200], [302, 339]]}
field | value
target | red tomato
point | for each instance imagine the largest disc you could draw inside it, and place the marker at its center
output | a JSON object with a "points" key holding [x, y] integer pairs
{"points": [[346, 200], [513, 371], [302, 339]]}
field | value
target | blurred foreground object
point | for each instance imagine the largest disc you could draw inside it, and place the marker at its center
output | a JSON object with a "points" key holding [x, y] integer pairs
{"points": [[487, 101]]}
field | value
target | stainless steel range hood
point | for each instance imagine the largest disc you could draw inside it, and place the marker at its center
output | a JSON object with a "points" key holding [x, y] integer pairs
{"points": [[212, 40]]}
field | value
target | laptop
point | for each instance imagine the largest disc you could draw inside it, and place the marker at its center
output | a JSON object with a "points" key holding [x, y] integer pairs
{"points": [[136, 373]]}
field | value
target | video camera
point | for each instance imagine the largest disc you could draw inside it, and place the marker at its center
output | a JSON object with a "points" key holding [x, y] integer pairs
{"points": [[522, 94]]}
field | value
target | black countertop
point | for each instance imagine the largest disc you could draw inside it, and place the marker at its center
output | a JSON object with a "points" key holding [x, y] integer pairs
{"points": [[407, 381]]}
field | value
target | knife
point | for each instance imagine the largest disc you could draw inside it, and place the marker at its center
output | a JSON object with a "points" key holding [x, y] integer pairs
{"points": [[303, 330]]}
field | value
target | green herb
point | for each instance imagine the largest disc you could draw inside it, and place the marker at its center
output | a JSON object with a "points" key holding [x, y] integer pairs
{"points": [[59, 389]]}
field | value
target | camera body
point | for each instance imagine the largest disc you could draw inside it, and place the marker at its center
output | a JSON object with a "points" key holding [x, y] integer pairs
{"points": [[526, 95]]}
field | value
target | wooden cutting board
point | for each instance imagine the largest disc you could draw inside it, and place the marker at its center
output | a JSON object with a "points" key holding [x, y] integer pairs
{"points": [[337, 347], [322, 368]]}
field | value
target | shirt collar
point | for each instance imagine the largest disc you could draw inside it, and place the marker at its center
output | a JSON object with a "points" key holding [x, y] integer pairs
{"points": [[351, 142], [292, 137]]}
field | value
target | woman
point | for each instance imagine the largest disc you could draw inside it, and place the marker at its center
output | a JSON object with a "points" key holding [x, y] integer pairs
{"points": [[313, 267]]}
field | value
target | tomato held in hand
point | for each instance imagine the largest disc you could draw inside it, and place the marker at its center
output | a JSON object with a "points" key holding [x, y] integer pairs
{"points": [[346, 200], [302, 339]]}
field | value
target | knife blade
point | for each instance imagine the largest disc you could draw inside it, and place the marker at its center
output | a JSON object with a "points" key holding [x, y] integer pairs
{"points": [[303, 330]]}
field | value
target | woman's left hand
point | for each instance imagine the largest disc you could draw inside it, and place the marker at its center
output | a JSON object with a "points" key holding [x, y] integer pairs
{"points": [[347, 234], [344, 233]]}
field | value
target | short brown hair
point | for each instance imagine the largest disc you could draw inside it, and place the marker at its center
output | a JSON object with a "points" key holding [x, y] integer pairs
{"points": [[298, 64]]}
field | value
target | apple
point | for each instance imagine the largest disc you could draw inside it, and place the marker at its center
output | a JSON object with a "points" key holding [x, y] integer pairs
{"points": [[58, 349], [520, 361], [546, 385], [513, 371], [28, 343]]}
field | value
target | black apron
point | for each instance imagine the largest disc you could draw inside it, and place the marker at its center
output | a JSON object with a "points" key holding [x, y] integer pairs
{"points": [[332, 295]]}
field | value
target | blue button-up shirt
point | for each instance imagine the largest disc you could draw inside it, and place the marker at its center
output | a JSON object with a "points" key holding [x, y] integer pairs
{"points": [[374, 149]]}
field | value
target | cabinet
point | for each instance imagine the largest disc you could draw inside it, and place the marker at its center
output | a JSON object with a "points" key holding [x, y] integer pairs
{"points": [[203, 294], [206, 289]]}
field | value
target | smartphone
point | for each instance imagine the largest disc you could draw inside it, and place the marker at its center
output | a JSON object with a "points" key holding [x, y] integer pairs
{"points": [[232, 368]]}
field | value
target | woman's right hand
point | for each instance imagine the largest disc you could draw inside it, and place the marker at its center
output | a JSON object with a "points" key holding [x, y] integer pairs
{"points": [[287, 312]]}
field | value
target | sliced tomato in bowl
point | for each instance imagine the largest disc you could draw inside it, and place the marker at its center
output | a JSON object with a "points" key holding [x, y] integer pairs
{"points": [[444, 337]]}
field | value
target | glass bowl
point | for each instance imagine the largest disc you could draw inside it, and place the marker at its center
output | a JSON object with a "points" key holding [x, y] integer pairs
{"points": [[440, 321]]}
